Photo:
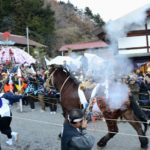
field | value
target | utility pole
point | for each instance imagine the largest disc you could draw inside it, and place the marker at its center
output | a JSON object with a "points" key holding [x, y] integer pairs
{"points": [[27, 33]]}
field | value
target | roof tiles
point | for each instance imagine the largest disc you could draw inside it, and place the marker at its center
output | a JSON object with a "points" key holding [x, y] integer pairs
{"points": [[83, 46]]}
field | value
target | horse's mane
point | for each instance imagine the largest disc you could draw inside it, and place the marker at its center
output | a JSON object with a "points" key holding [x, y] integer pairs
{"points": [[65, 70]]}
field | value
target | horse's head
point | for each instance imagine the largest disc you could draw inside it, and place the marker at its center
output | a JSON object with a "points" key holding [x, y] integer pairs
{"points": [[60, 68], [53, 70]]}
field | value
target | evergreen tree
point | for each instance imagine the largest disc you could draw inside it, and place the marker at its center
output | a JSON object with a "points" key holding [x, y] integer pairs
{"points": [[6, 15], [88, 12], [19, 14], [97, 19]]}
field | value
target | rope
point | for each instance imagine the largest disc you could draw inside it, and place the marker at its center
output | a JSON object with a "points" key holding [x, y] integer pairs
{"points": [[44, 100], [90, 129], [125, 120], [121, 120], [34, 81], [55, 124], [64, 84], [51, 76], [36, 97]]}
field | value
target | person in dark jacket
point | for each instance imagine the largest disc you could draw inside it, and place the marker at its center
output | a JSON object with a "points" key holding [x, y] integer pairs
{"points": [[12, 98], [40, 91], [51, 96], [134, 88], [75, 135], [31, 87], [143, 91]]}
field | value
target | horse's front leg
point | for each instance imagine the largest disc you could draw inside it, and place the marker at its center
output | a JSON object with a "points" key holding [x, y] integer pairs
{"points": [[61, 133], [112, 130]]}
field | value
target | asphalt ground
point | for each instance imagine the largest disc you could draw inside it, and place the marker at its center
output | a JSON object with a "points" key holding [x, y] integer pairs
{"points": [[39, 130]]}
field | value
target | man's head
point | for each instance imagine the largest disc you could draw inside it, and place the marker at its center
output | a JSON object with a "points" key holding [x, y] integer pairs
{"points": [[76, 117], [132, 80]]}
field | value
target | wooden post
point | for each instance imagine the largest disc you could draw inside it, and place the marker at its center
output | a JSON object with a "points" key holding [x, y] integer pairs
{"points": [[147, 44]]}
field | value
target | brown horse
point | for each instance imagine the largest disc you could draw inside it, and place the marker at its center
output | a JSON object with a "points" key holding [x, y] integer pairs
{"points": [[67, 85]]}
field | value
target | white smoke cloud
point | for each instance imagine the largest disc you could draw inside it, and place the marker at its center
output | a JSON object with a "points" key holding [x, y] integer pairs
{"points": [[117, 95], [117, 65], [105, 67], [119, 28]]}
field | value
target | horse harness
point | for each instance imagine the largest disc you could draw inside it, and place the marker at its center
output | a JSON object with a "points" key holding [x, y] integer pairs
{"points": [[51, 78]]}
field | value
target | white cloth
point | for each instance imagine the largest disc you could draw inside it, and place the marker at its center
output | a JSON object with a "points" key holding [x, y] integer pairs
{"points": [[94, 92], [82, 97], [5, 110], [1, 94]]}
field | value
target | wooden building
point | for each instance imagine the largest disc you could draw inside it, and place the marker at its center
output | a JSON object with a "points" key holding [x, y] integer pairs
{"points": [[80, 48], [20, 40], [136, 43]]}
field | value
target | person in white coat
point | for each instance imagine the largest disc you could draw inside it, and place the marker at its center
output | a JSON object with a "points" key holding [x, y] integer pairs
{"points": [[5, 121]]}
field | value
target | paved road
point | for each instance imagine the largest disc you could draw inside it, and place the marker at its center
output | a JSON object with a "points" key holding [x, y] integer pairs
{"points": [[38, 131]]}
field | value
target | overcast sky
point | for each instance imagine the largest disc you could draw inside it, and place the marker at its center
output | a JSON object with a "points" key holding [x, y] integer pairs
{"points": [[109, 9]]}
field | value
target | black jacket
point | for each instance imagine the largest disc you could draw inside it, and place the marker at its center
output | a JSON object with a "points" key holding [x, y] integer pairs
{"points": [[74, 139]]}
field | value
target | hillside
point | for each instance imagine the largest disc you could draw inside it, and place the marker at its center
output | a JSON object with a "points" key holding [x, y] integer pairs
{"points": [[72, 25], [50, 22]]}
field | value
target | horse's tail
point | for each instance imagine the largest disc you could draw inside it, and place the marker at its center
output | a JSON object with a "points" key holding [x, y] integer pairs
{"points": [[141, 116]]}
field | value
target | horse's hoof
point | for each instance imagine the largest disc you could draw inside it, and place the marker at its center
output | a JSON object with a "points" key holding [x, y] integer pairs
{"points": [[99, 148]]}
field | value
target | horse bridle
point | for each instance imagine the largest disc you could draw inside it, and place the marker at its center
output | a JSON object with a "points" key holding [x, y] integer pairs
{"points": [[51, 78]]}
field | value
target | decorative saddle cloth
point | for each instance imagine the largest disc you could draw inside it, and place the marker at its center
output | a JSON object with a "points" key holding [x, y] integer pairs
{"points": [[86, 84]]}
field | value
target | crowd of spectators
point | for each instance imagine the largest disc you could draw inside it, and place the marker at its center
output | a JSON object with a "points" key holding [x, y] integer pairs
{"points": [[139, 84], [31, 81], [30, 85]]}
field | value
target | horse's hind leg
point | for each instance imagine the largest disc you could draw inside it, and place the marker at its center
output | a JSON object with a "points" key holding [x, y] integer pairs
{"points": [[112, 130], [129, 115]]}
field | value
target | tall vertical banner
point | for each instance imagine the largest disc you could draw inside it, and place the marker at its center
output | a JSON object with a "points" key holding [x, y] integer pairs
{"points": [[19, 81]]}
